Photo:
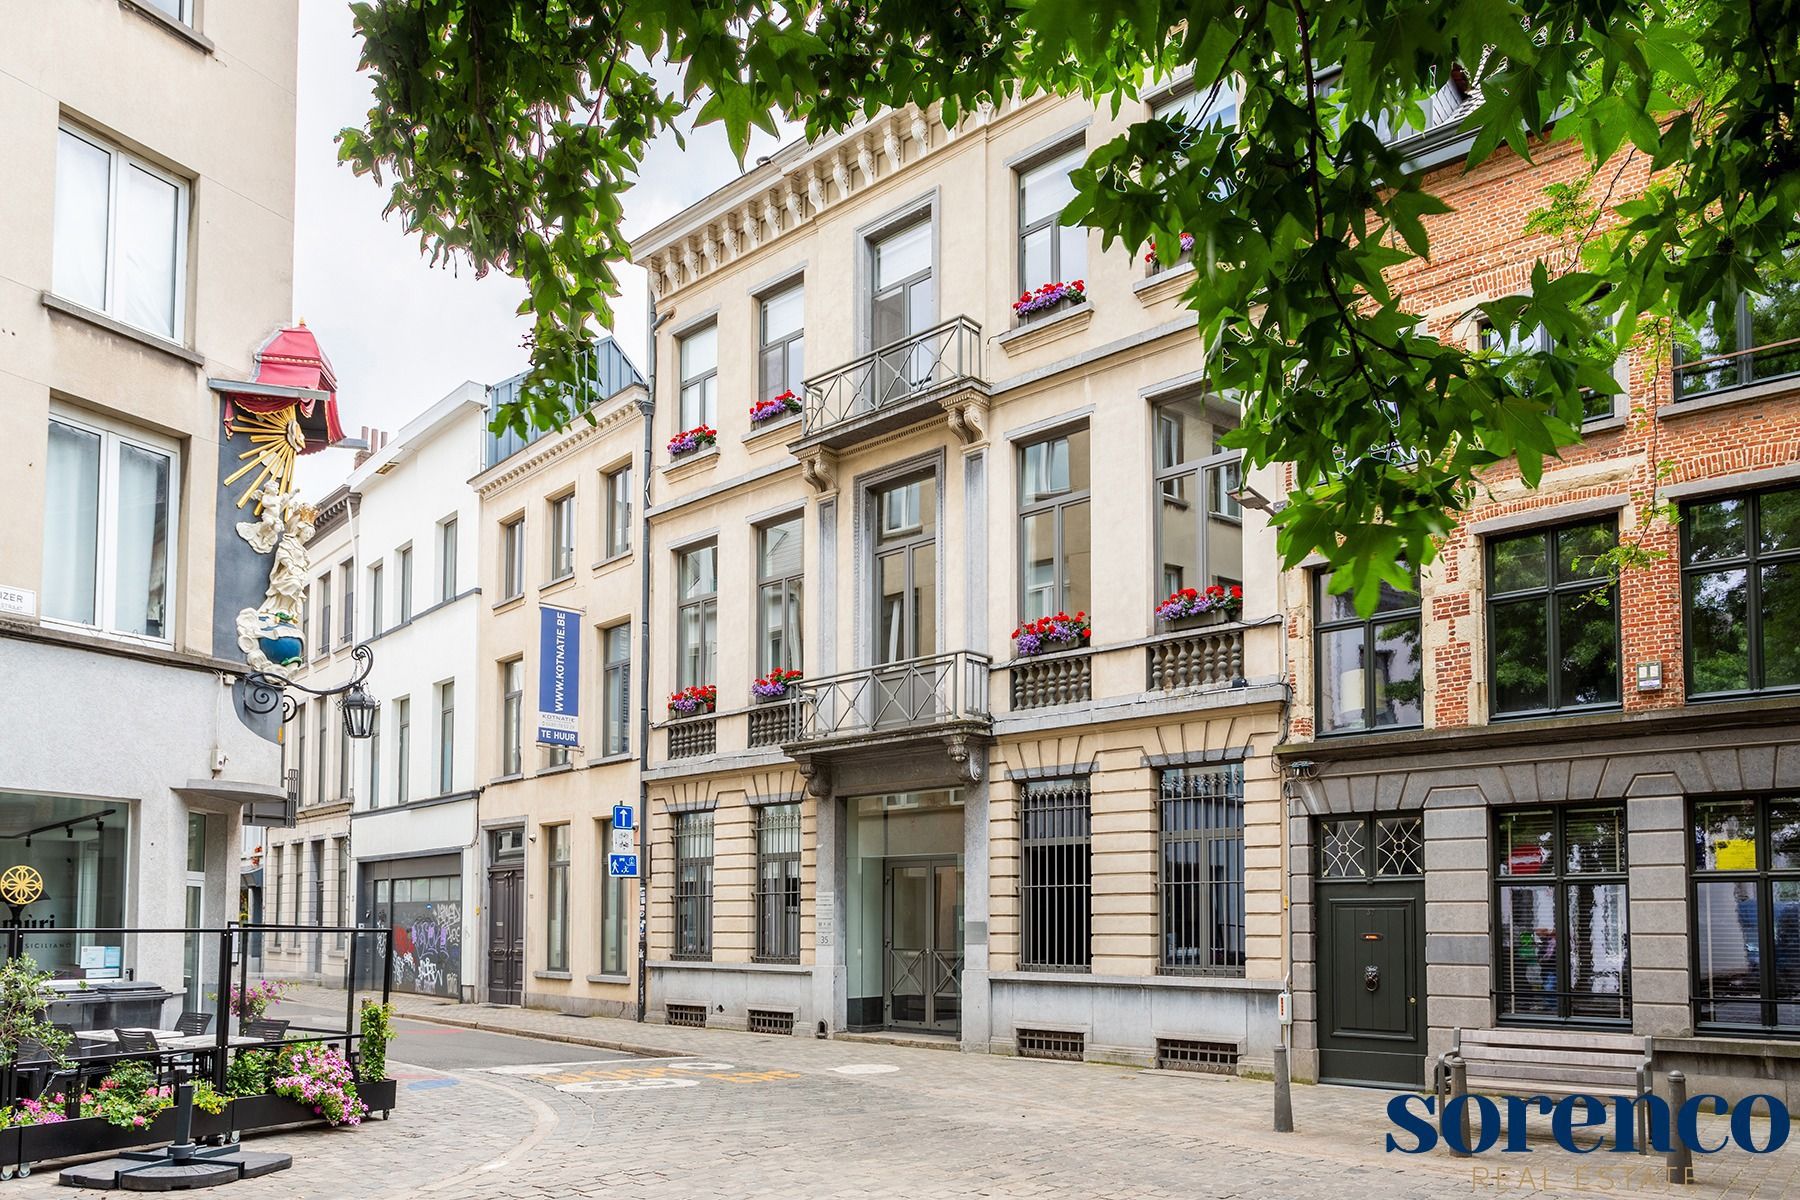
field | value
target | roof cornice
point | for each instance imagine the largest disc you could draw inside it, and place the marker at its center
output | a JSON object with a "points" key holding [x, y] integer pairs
{"points": [[620, 410]]}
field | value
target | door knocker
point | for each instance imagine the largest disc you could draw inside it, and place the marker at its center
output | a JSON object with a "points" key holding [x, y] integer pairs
{"points": [[1372, 977]]}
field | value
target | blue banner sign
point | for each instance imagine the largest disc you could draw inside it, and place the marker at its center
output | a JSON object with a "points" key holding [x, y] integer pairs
{"points": [[559, 677]]}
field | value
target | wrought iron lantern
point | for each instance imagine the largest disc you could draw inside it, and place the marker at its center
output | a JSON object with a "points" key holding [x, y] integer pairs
{"points": [[264, 691]]}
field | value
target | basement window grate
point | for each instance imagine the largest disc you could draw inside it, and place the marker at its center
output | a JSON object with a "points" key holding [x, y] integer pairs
{"points": [[1207, 1058], [765, 1020], [691, 1015], [1051, 1043]]}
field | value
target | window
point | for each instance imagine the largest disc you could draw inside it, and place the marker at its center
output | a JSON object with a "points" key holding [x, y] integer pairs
{"points": [[299, 763], [406, 592], [1595, 406], [1055, 533], [697, 617], [778, 883], [376, 599], [1561, 930], [1740, 560], [321, 720], [1553, 630], [1744, 337], [700, 378], [1367, 673], [323, 591], [783, 350], [556, 925], [1201, 884], [1199, 106], [613, 903], [1056, 882], [344, 757], [1049, 251], [403, 749], [375, 761], [1398, 843], [181, 10], [347, 582], [121, 235], [446, 773], [110, 516], [562, 537], [693, 884], [1199, 527], [1747, 913], [512, 703], [905, 571], [343, 917], [615, 689], [447, 560], [618, 512], [193, 951], [778, 591], [512, 558]]}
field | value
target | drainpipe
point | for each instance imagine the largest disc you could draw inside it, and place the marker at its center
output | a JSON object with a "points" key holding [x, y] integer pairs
{"points": [[646, 410]]}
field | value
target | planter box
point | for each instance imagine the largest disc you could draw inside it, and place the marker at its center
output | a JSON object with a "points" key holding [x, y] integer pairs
{"points": [[381, 1095], [91, 1135], [250, 1113], [1217, 616]]}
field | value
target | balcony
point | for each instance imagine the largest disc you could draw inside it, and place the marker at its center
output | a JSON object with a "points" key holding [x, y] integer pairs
{"points": [[1198, 658], [693, 737], [935, 704], [1049, 680], [935, 372]]}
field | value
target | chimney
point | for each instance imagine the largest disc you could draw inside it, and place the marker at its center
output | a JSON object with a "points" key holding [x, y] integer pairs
{"points": [[373, 441]]}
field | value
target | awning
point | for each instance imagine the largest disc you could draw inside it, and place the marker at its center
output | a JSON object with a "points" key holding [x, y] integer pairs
{"points": [[291, 372]]}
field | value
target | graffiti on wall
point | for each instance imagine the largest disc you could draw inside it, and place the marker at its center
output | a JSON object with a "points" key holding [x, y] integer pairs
{"points": [[428, 947]]}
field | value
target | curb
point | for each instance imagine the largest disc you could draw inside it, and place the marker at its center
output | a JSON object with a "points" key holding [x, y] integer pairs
{"points": [[573, 1039]]}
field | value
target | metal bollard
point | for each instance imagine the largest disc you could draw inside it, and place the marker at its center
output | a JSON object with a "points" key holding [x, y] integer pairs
{"points": [[1459, 1086], [1284, 1095], [1680, 1158]]}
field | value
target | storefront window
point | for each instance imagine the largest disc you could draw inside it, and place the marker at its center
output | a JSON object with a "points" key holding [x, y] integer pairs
{"points": [[1562, 922], [422, 900], [1746, 864], [79, 848]]}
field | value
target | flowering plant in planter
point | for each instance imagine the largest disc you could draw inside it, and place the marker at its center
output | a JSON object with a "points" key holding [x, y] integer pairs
{"points": [[1058, 632], [774, 685], [319, 1076], [1192, 602], [690, 440], [48, 1111], [702, 697], [1187, 244], [774, 408], [1048, 297], [128, 1097], [250, 1003]]}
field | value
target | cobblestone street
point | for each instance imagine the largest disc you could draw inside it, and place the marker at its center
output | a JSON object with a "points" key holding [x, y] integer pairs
{"points": [[652, 1112]]}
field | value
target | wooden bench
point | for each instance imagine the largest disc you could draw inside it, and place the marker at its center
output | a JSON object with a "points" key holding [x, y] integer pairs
{"points": [[1552, 1063]]}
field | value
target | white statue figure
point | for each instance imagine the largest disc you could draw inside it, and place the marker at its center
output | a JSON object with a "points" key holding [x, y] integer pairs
{"points": [[283, 526]]}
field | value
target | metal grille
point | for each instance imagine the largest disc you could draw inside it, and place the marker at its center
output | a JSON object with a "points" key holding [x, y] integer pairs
{"points": [[911, 693], [1211, 658], [1206, 1058], [764, 1020], [1056, 679], [693, 885], [1051, 1043], [693, 737], [1399, 846], [1056, 891], [778, 883], [894, 375], [1201, 823], [1343, 853], [691, 1015]]}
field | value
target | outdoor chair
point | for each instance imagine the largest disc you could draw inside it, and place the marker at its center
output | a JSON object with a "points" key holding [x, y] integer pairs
{"points": [[135, 1041], [192, 1024], [267, 1028]]}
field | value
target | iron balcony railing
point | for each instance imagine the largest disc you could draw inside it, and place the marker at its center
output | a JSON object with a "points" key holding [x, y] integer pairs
{"points": [[914, 693], [890, 377], [1716, 372]]}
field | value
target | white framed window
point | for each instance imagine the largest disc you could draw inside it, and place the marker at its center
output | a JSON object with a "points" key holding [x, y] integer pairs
{"points": [[618, 511], [181, 10], [120, 244], [512, 558], [447, 559], [111, 516], [562, 536], [375, 600], [699, 356]]}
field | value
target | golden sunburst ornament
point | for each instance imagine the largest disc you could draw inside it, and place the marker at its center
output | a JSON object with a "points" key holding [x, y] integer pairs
{"points": [[21, 885], [276, 441]]}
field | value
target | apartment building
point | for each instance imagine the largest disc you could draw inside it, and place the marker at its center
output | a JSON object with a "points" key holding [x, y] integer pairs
{"points": [[145, 287], [890, 804], [1549, 792], [556, 747], [307, 873], [412, 818]]}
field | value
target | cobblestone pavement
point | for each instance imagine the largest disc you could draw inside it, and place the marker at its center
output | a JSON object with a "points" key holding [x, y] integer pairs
{"points": [[711, 1113]]}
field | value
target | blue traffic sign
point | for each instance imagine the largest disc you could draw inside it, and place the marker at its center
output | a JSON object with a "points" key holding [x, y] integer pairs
{"points": [[622, 865], [624, 817]]}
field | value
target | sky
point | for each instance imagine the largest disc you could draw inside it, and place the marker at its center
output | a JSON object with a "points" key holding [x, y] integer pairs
{"points": [[400, 333]]}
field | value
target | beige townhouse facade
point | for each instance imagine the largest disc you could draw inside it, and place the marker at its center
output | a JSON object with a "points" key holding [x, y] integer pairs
{"points": [[933, 831], [559, 527]]}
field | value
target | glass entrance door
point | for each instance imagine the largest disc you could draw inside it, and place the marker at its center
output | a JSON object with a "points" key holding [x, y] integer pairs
{"points": [[924, 945]]}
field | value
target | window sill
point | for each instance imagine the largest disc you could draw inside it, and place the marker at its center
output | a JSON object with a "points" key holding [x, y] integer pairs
{"points": [[614, 979], [607, 760], [1041, 332], [707, 964], [773, 432], [612, 560], [556, 585], [1727, 397], [513, 777], [552, 975], [1601, 425], [1164, 285], [81, 312], [689, 465], [170, 25], [510, 603], [555, 769]]}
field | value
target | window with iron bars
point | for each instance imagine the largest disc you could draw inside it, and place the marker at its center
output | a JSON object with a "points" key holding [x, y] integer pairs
{"points": [[693, 885], [1057, 884], [778, 883], [1200, 819]]}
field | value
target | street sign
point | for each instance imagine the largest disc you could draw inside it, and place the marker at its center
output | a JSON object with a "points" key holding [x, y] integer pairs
{"points": [[622, 865], [624, 817], [622, 841]]}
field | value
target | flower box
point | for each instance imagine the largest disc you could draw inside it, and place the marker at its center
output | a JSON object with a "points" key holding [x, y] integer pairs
{"points": [[1155, 264], [381, 1095], [92, 1135], [1049, 298], [269, 1111], [690, 440], [694, 701], [774, 685], [1188, 607], [777, 408], [1047, 635], [1217, 616]]}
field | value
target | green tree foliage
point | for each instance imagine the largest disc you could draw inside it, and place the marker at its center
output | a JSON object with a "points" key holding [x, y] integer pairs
{"points": [[509, 132]]}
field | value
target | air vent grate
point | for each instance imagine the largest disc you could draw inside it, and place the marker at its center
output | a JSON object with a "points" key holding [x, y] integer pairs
{"points": [[1208, 1058], [765, 1020], [1051, 1043], [692, 1015]]}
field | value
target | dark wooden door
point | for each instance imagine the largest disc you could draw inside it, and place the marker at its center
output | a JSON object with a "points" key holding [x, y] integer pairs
{"points": [[1371, 983], [506, 936]]}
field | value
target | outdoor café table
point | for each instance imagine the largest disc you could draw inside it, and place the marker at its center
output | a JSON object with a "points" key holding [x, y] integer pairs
{"points": [[173, 1039]]}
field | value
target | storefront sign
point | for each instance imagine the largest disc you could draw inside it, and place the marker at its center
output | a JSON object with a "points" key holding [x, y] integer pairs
{"points": [[559, 677], [18, 601], [21, 885]]}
